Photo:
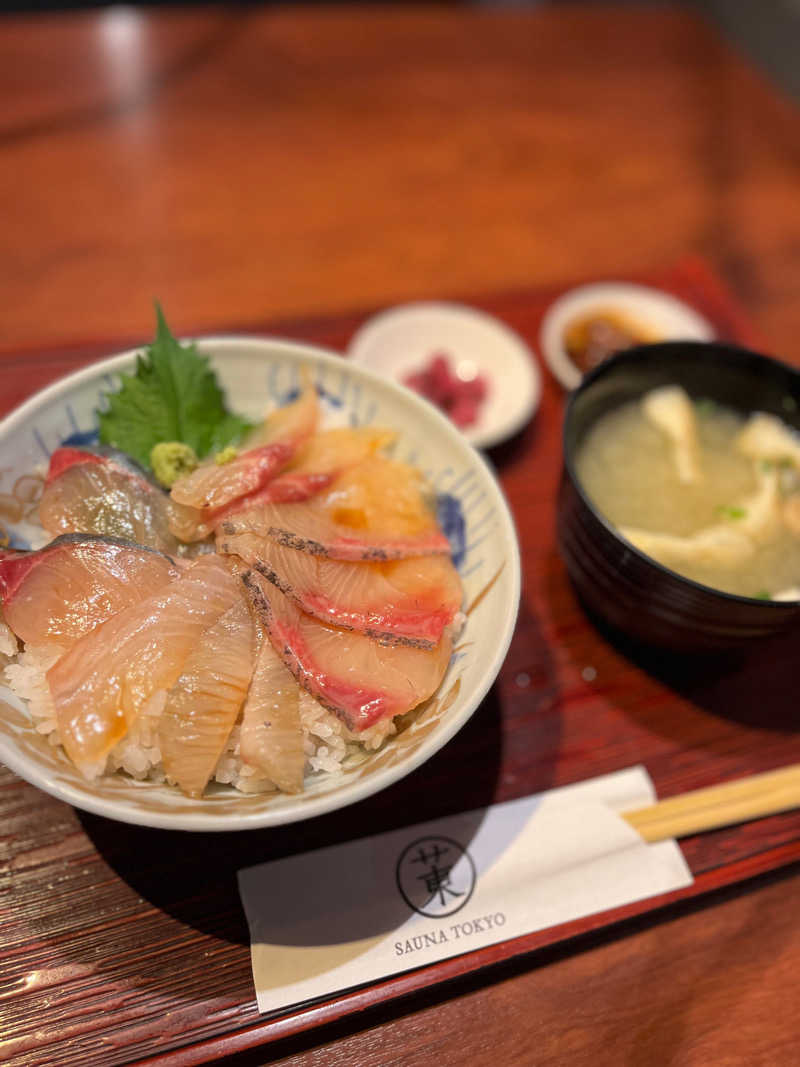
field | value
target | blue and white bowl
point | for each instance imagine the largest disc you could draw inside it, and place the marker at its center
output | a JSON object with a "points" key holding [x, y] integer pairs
{"points": [[257, 373]]}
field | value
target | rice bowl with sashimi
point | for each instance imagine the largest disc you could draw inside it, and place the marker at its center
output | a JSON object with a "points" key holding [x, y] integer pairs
{"points": [[298, 633]]}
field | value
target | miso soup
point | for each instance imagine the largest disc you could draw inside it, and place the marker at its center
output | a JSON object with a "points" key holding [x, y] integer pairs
{"points": [[705, 491]]}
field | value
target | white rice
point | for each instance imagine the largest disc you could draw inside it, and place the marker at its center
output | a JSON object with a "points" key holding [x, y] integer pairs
{"points": [[326, 740], [8, 642]]}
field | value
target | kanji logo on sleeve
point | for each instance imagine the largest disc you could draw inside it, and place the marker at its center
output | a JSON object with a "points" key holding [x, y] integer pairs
{"points": [[435, 876]]}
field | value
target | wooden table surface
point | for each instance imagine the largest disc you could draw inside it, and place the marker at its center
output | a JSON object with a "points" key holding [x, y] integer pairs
{"points": [[242, 164]]}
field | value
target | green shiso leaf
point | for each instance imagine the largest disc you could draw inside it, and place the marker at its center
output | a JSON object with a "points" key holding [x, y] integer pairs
{"points": [[172, 396]]}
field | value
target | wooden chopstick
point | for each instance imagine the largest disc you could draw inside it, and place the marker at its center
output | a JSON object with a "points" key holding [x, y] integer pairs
{"points": [[719, 805]]}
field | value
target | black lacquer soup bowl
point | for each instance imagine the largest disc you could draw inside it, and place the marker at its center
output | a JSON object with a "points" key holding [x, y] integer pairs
{"points": [[626, 588]]}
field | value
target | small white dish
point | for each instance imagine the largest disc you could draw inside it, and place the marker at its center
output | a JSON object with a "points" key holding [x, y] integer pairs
{"points": [[664, 317], [254, 373], [401, 340]]}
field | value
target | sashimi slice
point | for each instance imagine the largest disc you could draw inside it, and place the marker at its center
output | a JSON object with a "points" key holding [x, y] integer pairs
{"points": [[332, 451], [409, 600], [95, 493], [101, 684], [13, 553], [71, 455], [213, 485], [359, 679], [294, 422], [202, 706], [193, 524], [309, 528], [383, 496], [64, 458], [376, 510], [313, 468], [59, 593], [271, 739]]}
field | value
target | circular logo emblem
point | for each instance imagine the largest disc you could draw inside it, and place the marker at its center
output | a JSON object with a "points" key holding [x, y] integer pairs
{"points": [[435, 876]]}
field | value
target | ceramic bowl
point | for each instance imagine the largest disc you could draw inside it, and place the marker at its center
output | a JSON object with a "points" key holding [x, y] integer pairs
{"points": [[663, 316], [255, 373], [401, 340], [622, 585]]}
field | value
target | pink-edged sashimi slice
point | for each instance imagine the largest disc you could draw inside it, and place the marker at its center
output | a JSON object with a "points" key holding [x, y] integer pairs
{"points": [[376, 510], [191, 524], [101, 684], [202, 706], [410, 601], [309, 528], [313, 468], [271, 739], [358, 678], [213, 485], [56, 595], [101, 455], [102, 493]]}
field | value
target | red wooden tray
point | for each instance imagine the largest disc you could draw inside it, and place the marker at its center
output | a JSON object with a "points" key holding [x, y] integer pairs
{"points": [[123, 944]]}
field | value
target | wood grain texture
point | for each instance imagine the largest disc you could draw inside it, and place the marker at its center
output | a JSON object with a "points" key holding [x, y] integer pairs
{"points": [[244, 163], [255, 164], [168, 934], [704, 989]]}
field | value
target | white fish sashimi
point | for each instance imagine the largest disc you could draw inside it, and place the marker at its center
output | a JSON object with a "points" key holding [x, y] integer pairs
{"points": [[56, 595], [214, 485], [358, 678], [100, 496], [309, 528], [201, 708], [101, 684], [271, 738], [409, 601], [378, 509]]}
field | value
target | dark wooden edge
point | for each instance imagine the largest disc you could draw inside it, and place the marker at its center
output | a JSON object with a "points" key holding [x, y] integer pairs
{"points": [[402, 985]]}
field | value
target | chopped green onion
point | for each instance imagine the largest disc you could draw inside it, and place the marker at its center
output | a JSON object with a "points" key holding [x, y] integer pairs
{"points": [[226, 455], [762, 594], [732, 512]]}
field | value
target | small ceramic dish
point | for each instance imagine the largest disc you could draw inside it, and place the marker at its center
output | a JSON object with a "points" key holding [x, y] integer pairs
{"points": [[402, 340], [254, 373], [648, 315], [630, 590]]}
